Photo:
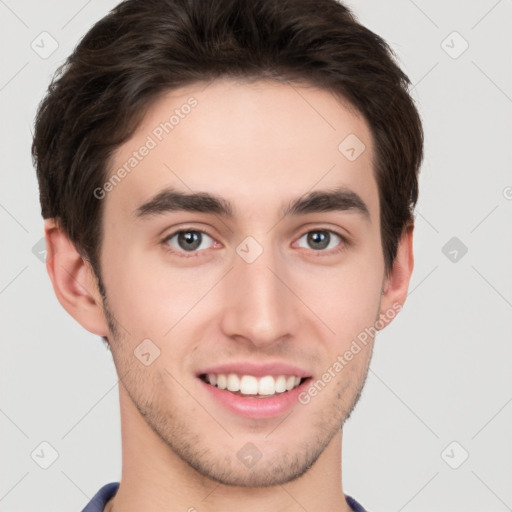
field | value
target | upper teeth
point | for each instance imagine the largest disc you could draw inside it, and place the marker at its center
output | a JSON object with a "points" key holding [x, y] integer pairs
{"points": [[250, 385]]}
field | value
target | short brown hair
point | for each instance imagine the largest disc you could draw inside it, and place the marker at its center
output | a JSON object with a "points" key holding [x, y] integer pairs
{"points": [[144, 48]]}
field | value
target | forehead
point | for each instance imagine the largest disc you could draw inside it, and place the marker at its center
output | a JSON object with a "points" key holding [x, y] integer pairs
{"points": [[255, 144]]}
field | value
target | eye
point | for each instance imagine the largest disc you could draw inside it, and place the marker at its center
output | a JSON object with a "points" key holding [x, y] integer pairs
{"points": [[321, 239], [188, 241]]}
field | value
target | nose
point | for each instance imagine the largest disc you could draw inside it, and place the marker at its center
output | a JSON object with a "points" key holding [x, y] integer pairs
{"points": [[259, 306]]}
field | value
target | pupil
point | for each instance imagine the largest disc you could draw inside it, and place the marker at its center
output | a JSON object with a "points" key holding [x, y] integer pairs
{"points": [[191, 238], [319, 238]]}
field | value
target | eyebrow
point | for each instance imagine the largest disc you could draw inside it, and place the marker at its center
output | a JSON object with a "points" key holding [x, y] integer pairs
{"points": [[169, 200]]}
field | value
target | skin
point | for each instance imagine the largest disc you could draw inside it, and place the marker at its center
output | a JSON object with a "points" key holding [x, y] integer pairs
{"points": [[258, 145]]}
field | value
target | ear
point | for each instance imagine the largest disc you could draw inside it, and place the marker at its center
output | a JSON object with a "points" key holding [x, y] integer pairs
{"points": [[396, 283], [73, 279]]}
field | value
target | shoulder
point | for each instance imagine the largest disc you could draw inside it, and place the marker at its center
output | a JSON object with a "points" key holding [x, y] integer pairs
{"points": [[99, 500], [354, 505]]}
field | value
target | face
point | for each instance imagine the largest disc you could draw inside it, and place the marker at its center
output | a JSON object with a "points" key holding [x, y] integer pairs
{"points": [[261, 283]]}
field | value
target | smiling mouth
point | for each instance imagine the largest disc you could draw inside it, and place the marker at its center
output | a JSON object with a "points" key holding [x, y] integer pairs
{"points": [[251, 386]]}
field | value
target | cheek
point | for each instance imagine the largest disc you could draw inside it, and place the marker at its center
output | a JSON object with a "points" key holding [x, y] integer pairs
{"points": [[345, 298], [148, 296]]}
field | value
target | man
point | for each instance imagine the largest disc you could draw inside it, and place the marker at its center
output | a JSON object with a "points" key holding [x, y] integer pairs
{"points": [[227, 189]]}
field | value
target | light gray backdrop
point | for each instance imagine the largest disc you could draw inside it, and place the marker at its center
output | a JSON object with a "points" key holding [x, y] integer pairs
{"points": [[432, 431]]}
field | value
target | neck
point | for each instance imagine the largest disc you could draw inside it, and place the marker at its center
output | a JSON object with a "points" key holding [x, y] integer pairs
{"points": [[155, 479]]}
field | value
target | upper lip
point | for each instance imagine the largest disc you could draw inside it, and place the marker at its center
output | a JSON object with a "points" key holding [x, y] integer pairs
{"points": [[256, 369]]}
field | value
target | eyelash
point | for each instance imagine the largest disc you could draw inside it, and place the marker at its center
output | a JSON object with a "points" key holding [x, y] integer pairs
{"points": [[338, 249]]}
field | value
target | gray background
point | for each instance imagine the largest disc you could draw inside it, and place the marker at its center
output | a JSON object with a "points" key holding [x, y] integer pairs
{"points": [[439, 388]]}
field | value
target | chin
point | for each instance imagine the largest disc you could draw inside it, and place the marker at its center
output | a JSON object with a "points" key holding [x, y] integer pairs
{"points": [[281, 469]]}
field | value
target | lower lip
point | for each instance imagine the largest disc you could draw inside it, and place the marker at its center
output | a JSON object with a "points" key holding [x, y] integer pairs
{"points": [[252, 407]]}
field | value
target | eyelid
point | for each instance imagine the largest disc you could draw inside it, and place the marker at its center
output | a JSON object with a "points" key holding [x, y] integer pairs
{"points": [[344, 242], [342, 245], [182, 253]]}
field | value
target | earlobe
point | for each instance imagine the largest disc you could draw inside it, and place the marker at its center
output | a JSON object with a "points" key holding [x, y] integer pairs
{"points": [[73, 280], [396, 284]]}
